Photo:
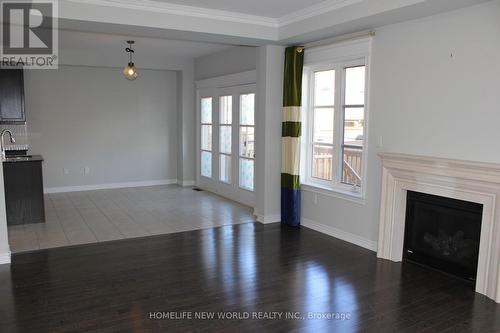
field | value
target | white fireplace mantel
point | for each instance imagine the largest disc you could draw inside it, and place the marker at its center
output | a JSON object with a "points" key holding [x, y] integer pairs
{"points": [[463, 180]]}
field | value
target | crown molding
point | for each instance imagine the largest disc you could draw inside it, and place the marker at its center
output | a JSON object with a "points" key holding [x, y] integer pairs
{"points": [[182, 10], [264, 28], [314, 10], [223, 15]]}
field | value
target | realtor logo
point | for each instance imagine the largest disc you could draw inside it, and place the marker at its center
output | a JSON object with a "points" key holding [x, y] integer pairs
{"points": [[29, 34]]}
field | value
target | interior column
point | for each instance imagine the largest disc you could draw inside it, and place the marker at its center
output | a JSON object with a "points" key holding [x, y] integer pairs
{"points": [[268, 133]]}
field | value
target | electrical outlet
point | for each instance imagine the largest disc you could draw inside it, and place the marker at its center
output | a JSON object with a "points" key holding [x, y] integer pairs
{"points": [[66, 171], [86, 170]]}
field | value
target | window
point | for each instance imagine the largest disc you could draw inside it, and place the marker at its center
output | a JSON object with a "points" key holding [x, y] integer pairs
{"points": [[225, 141], [206, 137], [247, 141], [335, 125]]}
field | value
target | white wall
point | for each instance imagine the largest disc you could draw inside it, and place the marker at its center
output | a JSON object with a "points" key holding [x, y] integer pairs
{"points": [[186, 120], [426, 101], [92, 117], [233, 60], [268, 119], [185, 95]]}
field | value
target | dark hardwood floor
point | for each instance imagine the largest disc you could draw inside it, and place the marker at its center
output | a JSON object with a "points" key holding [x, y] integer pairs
{"points": [[116, 286]]}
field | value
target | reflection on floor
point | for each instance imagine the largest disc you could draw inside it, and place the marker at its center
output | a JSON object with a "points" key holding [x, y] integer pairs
{"points": [[104, 215], [316, 283]]}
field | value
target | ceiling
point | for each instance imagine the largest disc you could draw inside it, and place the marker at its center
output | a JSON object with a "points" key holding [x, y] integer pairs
{"points": [[246, 22], [265, 8], [194, 28], [84, 41]]}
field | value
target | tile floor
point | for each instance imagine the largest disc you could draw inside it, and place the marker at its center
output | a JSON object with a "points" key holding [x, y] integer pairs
{"points": [[98, 216]]}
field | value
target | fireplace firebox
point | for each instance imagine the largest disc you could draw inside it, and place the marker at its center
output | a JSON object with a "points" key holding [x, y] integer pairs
{"points": [[443, 233]]}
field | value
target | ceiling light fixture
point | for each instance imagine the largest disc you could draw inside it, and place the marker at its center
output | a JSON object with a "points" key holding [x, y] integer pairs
{"points": [[130, 71]]}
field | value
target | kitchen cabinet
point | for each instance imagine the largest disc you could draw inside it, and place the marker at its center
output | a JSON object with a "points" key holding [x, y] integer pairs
{"points": [[12, 96], [23, 184]]}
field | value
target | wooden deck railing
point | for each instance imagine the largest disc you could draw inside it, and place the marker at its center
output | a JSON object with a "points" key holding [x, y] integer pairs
{"points": [[322, 166], [352, 165]]}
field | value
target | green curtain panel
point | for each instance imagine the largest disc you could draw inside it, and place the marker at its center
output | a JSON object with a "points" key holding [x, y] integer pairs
{"points": [[291, 132]]}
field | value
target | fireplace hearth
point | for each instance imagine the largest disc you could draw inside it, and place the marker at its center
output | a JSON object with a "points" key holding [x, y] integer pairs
{"points": [[443, 233]]}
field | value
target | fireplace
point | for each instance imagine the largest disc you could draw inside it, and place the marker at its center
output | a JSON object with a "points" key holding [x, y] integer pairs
{"points": [[443, 233], [470, 184]]}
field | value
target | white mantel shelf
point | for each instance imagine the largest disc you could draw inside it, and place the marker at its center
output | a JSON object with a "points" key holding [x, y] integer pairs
{"points": [[462, 180]]}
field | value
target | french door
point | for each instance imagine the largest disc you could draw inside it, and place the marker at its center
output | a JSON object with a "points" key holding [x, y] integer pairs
{"points": [[226, 145]]}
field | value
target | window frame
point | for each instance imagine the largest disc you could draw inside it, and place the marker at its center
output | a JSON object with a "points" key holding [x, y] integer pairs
{"points": [[335, 185], [211, 124]]}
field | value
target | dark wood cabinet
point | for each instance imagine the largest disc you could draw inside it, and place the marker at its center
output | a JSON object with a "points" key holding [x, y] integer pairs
{"points": [[24, 192], [12, 96]]}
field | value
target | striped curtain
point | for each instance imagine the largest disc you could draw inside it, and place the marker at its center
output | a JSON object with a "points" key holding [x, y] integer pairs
{"points": [[291, 131]]}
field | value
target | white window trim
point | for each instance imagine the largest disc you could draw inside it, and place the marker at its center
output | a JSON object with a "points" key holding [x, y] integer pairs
{"points": [[336, 56]]}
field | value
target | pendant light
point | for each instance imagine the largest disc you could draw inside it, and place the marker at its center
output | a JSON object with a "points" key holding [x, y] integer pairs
{"points": [[130, 72]]}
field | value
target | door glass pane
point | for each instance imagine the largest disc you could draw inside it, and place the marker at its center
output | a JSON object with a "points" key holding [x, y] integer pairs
{"points": [[206, 137], [247, 106], [355, 85], [206, 110], [206, 164], [322, 162], [353, 146], [323, 125], [225, 168], [324, 88], [247, 142], [225, 139], [246, 174], [226, 110]]}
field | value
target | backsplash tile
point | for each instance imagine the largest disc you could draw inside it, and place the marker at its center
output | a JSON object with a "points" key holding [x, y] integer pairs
{"points": [[20, 133]]}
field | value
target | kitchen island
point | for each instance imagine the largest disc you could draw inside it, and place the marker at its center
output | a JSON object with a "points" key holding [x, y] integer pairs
{"points": [[23, 184]]}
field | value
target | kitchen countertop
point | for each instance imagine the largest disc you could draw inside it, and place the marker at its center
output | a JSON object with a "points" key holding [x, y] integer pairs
{"points": [[28, 158]]}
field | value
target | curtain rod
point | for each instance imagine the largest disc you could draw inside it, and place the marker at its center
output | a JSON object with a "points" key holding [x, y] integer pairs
{"points": [[338, 39]]}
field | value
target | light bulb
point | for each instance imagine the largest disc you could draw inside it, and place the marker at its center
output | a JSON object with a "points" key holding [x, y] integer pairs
{"points": [[130, 72]]}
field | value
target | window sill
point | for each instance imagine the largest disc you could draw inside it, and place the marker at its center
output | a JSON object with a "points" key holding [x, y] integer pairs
{"points": [[356, 197]]}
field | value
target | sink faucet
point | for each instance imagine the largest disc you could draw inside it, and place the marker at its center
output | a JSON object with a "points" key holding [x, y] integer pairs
{"points": [[2, 145]]}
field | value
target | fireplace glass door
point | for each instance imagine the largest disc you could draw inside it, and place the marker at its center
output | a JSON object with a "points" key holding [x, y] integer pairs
{"points": [[443, 233]]}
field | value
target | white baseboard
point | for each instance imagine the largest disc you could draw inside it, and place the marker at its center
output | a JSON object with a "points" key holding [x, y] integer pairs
{"points": [[108, 186], [266, 219], [5, 258], [340, 234], [186, 183]]}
